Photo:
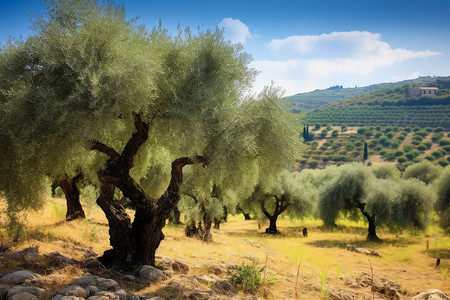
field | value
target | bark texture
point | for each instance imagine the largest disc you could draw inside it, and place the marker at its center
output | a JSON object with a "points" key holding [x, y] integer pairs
{"points": [[136, 242], [72, 193], [280, 206]]}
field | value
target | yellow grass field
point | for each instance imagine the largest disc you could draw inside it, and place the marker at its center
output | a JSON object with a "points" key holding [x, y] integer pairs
{"points": [[321, 258]]}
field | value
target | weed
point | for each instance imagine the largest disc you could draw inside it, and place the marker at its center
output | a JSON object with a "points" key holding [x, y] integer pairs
{"points": [[323, 282], [249, 276], [58, 210], [444, 272], [337, 272]]}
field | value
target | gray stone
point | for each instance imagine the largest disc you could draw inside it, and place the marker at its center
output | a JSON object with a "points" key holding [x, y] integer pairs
{"points": [[92, 289], [121, 294], [151, 274], [130, 278], [21, 289], [107, 284], [23, 296], [27, 254], [196, 295], [103, 295], [19, 277], [57, 259], [433, 294], [205, 279], [74, 290], [85, 280], [223, 287], [167, 263], [61, 297]]}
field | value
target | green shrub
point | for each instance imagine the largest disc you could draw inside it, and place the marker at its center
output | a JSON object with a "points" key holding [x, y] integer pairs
{"points": [[436, 137], [313, 163], [408, 147], [417, 137], [387, 129], [429, 157], [415, 142], [248, 277], [423, 133], [408, 129], [334, 133], [444, 142], [390, 134], [428, 129], [422, 147], [401, 159], [428, 144], [399, 153], [417, 128], [439, 129], [443, 162], [324, 133]]}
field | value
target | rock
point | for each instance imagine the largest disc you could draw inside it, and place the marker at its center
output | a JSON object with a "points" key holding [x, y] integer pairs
{"points": [[18, 289], [23, 296], [381, 285], [103, 295], [130, 278], [74, 290], [92, 289], [167, 263], [121, 294], [3, 290], [105, 284], [205, 279], [433, 294], [353, 248], [19, 277], [4, 248], [27, 254], [346, 295], [57, 259], [223, 287], [196, 295], [151, 274], [61, 297], [89, 253], [85, 280], [254, 244]]}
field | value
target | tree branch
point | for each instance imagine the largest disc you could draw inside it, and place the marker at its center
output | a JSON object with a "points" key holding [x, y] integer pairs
{"points": [[171, 196], [96, 145], [266, 213], [135, 142]]}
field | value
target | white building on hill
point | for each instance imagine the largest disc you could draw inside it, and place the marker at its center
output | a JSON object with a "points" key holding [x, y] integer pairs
{"points": [[423, 91]]}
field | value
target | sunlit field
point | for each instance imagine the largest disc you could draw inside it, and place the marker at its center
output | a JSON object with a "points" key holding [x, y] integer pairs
{"points": [[321, 258]]}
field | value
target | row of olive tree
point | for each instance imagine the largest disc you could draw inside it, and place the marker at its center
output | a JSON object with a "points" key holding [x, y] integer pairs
{"points": [[379, 194], [93, 93]]}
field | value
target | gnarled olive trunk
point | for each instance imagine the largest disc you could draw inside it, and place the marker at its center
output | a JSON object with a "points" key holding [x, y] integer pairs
{"points": [[372, 235], [72, 193], [174, 217], [136, 242], [280, 206]]}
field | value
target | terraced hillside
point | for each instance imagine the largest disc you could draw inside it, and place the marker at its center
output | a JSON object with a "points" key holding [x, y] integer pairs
{"points": [[390, 144]]}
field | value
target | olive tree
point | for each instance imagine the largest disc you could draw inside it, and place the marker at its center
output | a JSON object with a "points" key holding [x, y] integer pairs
{"points": [[424, 171], [442, 205], [382, 202]]}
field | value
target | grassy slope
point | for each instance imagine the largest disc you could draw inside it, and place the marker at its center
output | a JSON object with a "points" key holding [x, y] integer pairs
{"points": [[404, 259]]}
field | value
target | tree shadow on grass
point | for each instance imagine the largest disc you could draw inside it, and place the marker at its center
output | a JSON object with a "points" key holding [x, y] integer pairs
{"points": [[438, 253], [328, 243]]}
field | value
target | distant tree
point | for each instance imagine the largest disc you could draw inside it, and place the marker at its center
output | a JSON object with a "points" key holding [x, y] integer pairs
{"points": [[386, 171], [381, 201], [288, 194], [442, 205], [365, 155], [424, 171]]}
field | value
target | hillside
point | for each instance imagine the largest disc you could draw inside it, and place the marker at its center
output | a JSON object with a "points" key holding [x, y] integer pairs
{"points": [[390, 144], [317, 98], [388, 106]]}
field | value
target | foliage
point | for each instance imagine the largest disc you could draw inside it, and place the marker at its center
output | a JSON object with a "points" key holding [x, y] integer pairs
{"points": [[248, 276], [442, 205], [424, 171]]}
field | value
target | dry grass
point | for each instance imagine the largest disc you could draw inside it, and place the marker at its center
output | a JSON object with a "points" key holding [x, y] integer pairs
{"points": [[322, 256]]}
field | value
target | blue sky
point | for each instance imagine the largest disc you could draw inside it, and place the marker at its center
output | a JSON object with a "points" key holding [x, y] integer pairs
{"points": [[302, 45]]}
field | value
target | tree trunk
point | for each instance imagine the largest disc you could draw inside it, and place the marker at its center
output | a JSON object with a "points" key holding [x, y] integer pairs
{"points": [[70, 189], [206, 234], [372, 235], [136, 242], [174, 217], [272, 225], [280, 207]]}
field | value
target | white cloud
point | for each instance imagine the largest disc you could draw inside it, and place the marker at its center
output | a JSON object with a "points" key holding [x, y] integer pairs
{"points": [[235, 30], [329, 57]]}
